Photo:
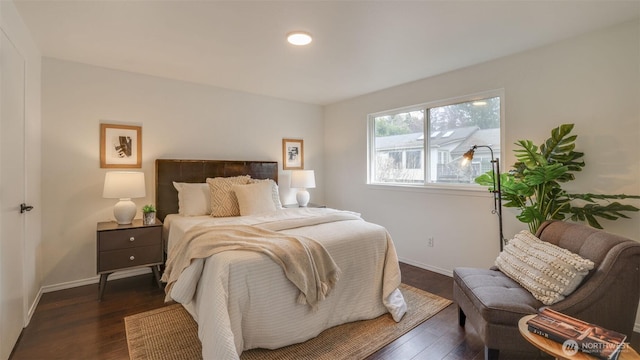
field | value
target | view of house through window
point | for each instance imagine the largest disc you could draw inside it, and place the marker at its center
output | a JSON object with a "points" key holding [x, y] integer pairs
{"points": [[425, 144]]}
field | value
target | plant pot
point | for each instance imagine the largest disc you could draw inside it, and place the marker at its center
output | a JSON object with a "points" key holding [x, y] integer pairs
{"points": [[149, 218]]}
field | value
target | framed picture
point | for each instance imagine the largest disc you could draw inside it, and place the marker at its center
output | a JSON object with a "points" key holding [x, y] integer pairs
{"points": [[120, 146], [292, 154]]}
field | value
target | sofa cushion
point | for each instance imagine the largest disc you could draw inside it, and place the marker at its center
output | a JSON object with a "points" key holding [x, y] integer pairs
{"points": [[549, 272], [499, 299]]}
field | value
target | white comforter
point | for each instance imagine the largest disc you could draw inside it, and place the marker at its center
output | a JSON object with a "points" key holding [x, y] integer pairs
{"points": [[242, 300]]}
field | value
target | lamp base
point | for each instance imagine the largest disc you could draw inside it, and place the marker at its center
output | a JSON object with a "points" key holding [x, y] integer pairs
{"points": [[302, 197], [124, 211]]}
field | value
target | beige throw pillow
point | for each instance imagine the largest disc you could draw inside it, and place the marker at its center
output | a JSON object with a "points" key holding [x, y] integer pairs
{"points": [[223, 199], [548, 271], [194, 199], [254, 198], [275, 193]]}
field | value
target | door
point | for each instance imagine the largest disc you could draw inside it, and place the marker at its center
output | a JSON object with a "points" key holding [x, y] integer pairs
{"points": [[12, 194]]}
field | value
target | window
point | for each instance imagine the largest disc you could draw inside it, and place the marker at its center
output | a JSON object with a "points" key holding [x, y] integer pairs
{"points": [[424, 144], [395, 159], [414, 159]]}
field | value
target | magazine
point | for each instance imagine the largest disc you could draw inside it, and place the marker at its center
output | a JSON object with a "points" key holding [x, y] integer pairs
{"points": [[577, 335]]}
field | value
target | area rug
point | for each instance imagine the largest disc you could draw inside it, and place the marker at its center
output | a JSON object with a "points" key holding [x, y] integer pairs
{"points": [[170, 333]]}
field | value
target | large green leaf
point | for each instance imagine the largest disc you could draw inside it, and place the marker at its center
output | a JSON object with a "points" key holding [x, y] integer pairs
{"points": [[486, 179], [594, 197], [552, 146], [559, 148], [544, 174], [611, 211], [529, 154], [532, 216]]}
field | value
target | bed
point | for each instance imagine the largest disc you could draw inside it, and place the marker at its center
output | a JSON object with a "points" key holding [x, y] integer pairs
{"points": [[246, 298]]}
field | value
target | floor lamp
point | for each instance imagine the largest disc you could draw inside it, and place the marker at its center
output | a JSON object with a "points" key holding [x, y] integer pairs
{"points": [[497, 195]]}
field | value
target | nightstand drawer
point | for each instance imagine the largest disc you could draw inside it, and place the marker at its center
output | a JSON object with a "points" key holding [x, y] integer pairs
{"points": [[129, 238], [120, 259]]}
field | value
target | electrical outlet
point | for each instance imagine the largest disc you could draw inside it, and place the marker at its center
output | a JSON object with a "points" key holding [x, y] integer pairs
{"points": [[430, 242]]}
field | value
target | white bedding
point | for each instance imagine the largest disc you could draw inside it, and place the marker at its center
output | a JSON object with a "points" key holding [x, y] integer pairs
{"points": [[242, 300]]}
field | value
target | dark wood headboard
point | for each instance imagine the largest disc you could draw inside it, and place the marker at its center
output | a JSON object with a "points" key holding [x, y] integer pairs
{"points": [[197, 171]]}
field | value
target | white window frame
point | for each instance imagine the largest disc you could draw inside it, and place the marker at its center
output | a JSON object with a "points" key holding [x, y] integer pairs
{"points": [[371, 151]]}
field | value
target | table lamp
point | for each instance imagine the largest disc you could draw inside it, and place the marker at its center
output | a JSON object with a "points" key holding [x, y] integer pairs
{"points": [[124, 185], [303, 180]]}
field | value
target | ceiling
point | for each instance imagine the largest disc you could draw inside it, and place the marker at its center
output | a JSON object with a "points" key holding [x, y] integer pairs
{"points": [[358, 46]]}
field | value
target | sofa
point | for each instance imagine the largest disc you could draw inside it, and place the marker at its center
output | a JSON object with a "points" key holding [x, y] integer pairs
{"points": [[608, 296]]}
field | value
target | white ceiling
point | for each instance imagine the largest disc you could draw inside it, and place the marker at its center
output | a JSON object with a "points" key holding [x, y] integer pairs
{"points": [[358, 46]]}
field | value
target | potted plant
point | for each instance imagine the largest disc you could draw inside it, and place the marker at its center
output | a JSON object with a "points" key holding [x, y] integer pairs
{"points": [[534, 185], [149, 214]]}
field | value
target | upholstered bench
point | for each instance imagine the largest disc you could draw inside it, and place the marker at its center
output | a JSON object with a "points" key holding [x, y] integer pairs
{"points": [[493, 303]]}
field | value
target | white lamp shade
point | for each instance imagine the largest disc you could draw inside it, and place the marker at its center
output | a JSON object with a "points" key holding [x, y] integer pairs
{"points": [[123, 185], [303, 179]]}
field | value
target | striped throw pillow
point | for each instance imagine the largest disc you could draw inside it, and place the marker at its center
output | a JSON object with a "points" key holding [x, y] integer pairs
{"points": [[548, 271]]}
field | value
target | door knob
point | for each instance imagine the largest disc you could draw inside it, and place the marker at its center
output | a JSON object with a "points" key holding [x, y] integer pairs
{"points": [[24, 207]]}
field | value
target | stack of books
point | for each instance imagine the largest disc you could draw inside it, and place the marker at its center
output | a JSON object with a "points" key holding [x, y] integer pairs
{"points": [[577, 335]]}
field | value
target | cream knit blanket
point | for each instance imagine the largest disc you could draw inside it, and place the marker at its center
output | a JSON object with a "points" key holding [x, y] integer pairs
{"points": [[306, 263]]}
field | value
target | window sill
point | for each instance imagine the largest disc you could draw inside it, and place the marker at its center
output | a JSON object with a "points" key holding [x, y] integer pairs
{"points": [[440, 189]]}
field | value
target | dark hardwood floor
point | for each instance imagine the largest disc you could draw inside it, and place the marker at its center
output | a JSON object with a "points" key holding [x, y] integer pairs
{"points": [[72, 324]]}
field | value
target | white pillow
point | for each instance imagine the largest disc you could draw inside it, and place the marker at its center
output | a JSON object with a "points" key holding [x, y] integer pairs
{"points": [[255, 198], [548, 271], [194, 199], [275, 193]]}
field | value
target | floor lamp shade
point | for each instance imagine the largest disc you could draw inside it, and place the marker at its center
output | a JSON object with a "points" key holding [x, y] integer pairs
{"points": [[124, 185], [303, 180]]}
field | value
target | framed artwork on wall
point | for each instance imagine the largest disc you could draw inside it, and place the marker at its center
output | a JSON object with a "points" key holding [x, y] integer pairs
{"points": [[292, 154], [120, 146]]}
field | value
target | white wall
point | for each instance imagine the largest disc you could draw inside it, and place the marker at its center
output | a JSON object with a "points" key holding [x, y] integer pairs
{"points": [[178, 119], [12, 25], [592, 81]]}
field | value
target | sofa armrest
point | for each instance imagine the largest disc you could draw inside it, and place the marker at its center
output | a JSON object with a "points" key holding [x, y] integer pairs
{"points": [[612, 288]]}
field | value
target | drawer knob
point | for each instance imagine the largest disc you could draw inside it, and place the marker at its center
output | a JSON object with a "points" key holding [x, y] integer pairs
{"points": [[132, 238], [132, 257]]}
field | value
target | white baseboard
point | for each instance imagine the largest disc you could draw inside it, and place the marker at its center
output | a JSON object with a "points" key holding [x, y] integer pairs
{"points": [[636, 327], [77, 283], [32, 308], [95, 279], [438, 270]]}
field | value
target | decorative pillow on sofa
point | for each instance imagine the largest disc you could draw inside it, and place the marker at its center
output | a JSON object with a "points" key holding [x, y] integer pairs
{"points": [[547, 271], [194, 199], [254, 198], [275, 193], [223, 199]]}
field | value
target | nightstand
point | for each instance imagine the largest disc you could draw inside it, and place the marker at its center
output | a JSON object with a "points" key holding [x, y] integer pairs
{"points": [[309, 205], [122, 247]]}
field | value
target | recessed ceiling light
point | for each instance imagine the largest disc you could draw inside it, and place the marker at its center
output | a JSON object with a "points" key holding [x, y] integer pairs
{"points": [[299, 38]]}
